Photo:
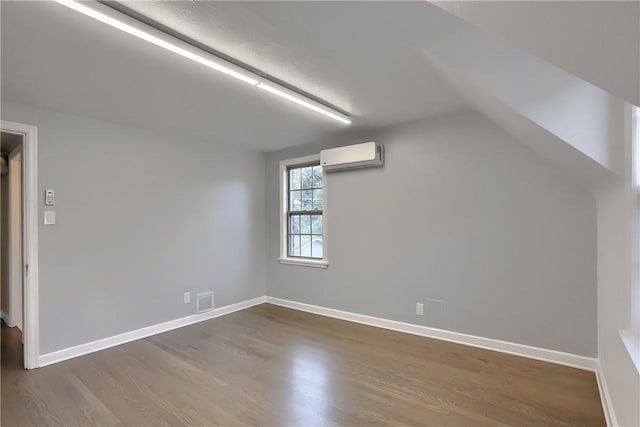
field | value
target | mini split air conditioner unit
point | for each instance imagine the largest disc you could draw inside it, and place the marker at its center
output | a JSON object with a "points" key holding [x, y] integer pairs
{"points": [[366, 155]]}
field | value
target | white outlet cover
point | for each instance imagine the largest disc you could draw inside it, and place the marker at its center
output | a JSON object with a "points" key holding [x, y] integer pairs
{"points": [[419, 309], [187, 297]]}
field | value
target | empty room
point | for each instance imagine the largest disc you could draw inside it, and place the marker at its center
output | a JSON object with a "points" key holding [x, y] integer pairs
{"points": [[320, 213]]}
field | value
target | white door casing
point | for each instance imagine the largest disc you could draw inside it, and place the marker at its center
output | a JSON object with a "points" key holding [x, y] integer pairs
{"points": [[30, 238]]}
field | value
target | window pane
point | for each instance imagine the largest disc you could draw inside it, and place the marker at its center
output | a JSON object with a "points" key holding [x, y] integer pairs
{"points": [[305, 194], [307, 199], [305, 224], [317, 200], [296, 200], [294, 224], [307, 177], [294, 245], [294, 179], [316, 224], [305, 245], [317, 177], [316, 246]]}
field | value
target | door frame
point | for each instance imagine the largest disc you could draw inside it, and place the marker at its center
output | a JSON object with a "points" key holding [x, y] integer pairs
{"points": [[30, 327], [16, 284]]}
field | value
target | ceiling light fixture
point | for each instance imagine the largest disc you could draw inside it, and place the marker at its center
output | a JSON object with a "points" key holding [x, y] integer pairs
{"points": [[122, 22]]}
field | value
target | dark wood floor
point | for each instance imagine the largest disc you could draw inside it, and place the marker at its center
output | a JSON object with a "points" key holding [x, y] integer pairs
{"points": [[271, 366]]}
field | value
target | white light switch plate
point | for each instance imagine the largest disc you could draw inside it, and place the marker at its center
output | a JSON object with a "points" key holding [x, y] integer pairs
{"points": [[49, 198], [49, 217]]}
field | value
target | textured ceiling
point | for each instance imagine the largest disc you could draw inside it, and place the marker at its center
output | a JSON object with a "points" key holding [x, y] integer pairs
{"points": [[363, 57]]}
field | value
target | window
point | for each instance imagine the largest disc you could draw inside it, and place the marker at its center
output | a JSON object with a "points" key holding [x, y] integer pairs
{"points": [[631, 335], [305, 211], [635, 168], [302, 217]]}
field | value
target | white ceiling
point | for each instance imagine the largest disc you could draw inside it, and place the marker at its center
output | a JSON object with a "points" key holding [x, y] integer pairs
{"points": [[363, 57], [598, 41]]}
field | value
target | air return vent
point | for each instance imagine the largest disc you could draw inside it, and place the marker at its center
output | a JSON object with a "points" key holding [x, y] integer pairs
{"points": [[204, 302]]}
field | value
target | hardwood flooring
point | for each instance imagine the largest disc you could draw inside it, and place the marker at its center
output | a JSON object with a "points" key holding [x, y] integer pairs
{"points": [[273, 366]]}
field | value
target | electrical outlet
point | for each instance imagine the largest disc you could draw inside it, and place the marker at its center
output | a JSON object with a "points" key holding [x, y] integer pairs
{"points": [[187, 297], [419, 309], [49, 217]]}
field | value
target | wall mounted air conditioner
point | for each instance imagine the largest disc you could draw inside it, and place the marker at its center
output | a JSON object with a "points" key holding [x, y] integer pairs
{"points": [[366, 155]]}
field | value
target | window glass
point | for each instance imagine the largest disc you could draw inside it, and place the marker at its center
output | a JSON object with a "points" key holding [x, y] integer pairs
{"points": [[305, 211]]}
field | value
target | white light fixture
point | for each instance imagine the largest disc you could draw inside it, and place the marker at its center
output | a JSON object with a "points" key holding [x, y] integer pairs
{"points": [[303, 101], [122, 22]]}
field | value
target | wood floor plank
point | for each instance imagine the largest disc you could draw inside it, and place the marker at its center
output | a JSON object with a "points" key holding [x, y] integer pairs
{"points": [[273, 366]]}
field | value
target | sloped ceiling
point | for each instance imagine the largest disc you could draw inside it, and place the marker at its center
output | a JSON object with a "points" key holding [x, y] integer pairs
{"points": [[576, 165], [598, 41], [571, 122], [363, 57]]}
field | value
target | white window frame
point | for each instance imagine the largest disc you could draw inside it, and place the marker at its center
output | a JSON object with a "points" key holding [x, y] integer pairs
{"points": [[634, 326], [284, 258], [631, 335]]}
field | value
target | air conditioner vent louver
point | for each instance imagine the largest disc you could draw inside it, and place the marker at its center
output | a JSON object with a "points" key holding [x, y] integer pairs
{"points": [[204, 302], [366, 155]]}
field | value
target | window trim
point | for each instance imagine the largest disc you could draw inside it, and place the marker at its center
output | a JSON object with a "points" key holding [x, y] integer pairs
{"points": [[634, 149], [630, 336], [284, 186]]}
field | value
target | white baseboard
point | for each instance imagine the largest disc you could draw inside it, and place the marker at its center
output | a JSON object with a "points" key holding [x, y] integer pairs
{"points": [[553, 356], [101, 344], [605, 397]]}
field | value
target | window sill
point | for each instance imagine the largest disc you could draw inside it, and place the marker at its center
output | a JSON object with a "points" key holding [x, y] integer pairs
{"points": [[632, 345], [304, 262]]}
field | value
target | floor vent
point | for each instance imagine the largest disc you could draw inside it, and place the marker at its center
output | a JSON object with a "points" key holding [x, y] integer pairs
{"points": [[204, 302]]}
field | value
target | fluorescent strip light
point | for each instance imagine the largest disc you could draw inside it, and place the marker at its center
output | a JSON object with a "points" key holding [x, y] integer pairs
{"points": [[145, 32], [305, 102]]}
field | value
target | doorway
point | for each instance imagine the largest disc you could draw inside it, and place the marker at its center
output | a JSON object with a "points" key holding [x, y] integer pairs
{"points": [[19, 243], [11, 279]]}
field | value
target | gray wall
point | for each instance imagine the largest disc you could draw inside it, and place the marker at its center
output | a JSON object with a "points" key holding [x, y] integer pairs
{"points": [[460, 212], [141, 218]]}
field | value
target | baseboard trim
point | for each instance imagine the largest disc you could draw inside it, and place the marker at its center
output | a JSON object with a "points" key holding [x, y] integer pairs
{"points": [[104, 343], [545, 355], [605, 397]]}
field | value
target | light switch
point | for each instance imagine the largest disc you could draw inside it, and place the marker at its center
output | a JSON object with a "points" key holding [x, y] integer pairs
{"points": [[49, 198], [49, 217]]}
